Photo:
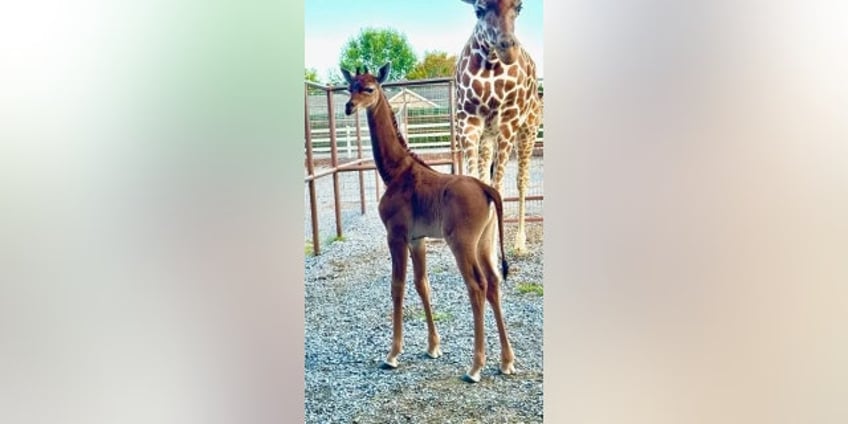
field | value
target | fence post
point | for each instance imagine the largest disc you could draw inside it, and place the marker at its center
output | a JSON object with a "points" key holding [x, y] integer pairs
{"points": [[334, 159], [404, 92], [359, 156], [456, 158], [347, 141], [310, 169]]}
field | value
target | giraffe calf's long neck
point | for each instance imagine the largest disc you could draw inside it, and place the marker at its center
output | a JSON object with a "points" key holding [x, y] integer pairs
{"points": [[392, 155], [389, 156]]}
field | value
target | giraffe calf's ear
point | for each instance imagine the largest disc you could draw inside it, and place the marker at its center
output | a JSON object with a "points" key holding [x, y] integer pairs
{"points": [[347, 76], [383, 74]]}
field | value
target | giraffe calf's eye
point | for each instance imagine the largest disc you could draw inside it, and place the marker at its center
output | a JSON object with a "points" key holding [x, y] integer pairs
{"points": [[368, 90]]}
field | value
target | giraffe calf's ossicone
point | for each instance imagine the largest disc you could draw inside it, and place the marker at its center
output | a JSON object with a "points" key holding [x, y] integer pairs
{"points": [[419, 203]]}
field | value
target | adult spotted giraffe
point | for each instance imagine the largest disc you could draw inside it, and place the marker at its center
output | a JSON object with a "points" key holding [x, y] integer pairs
{"points": [[497, 101]]}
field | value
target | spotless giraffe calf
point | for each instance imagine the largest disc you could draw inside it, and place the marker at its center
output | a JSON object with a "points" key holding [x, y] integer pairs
{"points": [[420, 202]]}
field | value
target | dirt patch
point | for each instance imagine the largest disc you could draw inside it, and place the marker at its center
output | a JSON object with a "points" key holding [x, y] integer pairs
{"points": [[443, 397]]}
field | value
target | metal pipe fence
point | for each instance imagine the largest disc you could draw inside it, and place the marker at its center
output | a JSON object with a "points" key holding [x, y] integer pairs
{"points": [[338, 146]]}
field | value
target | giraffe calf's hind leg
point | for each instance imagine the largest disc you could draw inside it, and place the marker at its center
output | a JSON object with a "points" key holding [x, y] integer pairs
{"points": [[472, 274], [493, 295]]}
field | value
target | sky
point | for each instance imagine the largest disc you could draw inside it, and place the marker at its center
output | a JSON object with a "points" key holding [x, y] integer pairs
{"points": [[443, 25]]}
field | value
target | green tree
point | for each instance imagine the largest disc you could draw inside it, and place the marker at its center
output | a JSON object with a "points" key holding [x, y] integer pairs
{"points": [[435, 64], [373, 47], [311, 74]]}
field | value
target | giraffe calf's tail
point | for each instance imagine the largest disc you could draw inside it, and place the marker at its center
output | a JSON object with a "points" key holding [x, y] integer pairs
{"points": [[495, 197], [504, 267]]}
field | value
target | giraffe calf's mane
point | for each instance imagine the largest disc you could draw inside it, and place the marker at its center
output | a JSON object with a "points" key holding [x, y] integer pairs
{"points": [[403, 141]]}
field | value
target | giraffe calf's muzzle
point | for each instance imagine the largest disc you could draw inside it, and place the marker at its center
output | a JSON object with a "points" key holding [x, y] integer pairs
{"points": [[349, 108]]}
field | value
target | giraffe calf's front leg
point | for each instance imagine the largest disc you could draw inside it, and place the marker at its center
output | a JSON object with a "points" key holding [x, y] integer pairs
{"points": [[396, 349], [418, 252], [397, 247]]}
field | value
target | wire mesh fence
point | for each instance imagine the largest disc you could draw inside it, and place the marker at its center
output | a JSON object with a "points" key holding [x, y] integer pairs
{"points": [[341, 182]]}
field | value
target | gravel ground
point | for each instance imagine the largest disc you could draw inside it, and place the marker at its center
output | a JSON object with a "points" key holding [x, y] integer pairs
{"points": [[348, 331]]}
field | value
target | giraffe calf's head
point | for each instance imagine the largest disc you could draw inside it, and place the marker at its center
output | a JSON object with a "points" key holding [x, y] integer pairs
{"points": [[364, 88], [496, 24]]}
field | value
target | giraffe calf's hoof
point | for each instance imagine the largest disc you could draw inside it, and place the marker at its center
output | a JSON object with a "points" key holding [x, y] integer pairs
{"points": [[469, 378], [435, 353], [507, 369], [387, 365]]}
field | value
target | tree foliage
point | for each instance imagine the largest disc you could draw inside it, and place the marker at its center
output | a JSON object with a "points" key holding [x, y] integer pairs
{"points": [[435, 64], [373, 47], [311, 74]]}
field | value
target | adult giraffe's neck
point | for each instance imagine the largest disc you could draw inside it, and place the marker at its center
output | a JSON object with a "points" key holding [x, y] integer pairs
{"points": [[478, 45], [478, 40], [390, 153]]}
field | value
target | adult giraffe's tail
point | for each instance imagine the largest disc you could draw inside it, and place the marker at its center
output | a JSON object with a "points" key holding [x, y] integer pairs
{"points": [[495, 197]]}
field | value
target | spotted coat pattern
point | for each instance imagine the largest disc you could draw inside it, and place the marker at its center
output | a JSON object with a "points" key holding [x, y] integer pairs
{"points": [[498, 105]]}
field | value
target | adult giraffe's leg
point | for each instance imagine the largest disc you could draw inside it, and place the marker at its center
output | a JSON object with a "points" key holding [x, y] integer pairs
{"points": [[526, 142], [504, 145], [484, 170], [399, 250], [468, 134], [418, 251]]}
